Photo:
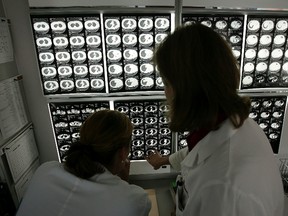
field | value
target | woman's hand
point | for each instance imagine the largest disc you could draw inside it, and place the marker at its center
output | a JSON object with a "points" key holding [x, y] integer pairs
{"points": [[157, 160]]}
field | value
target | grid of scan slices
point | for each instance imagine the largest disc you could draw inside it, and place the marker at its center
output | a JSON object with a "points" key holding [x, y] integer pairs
{"points": [[67, 119], [71, 57], [229, 26], [268, 112], [69, 53], [266, 53], [130, 41], [150, 130]]}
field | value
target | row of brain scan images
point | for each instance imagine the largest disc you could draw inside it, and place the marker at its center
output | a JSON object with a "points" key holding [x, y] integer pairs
{"points": [[149, 118], [70, 52], [77, 54], [151, 126]]}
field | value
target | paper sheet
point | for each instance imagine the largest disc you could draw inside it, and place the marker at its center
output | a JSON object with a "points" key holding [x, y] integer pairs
{"points": [[154, 208], [6, 50], [12, 109]]}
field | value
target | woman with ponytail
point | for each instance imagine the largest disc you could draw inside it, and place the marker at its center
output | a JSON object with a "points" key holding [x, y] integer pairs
{"points": [[93, 179]]}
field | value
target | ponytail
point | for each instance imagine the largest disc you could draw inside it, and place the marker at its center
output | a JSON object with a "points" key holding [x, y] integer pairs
{"points": [[81, 161], [101, 136]]}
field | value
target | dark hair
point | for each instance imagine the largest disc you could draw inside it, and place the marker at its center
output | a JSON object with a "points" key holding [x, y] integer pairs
{"points": [[101, 136], [200, 67]]}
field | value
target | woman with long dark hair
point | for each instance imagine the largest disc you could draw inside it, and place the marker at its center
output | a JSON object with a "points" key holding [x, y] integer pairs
{"points": [[228, 167]]}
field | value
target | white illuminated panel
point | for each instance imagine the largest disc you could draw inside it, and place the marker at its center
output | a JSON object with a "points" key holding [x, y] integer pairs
{"points": [[268, 112], [130, 41], [266, 55], [230, 27], [74, 57], [70, 53], [67, 119], [150, 131]]}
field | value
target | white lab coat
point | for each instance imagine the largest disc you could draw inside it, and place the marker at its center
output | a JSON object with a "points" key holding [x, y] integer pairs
{"points": [[55, 192], [230, 172]]}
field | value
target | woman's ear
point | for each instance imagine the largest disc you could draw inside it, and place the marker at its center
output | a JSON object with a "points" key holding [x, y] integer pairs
{"points": [[123, 153]]}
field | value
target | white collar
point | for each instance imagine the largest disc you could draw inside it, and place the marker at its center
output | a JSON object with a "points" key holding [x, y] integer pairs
{"points": [[105, 177], [210, 143]]}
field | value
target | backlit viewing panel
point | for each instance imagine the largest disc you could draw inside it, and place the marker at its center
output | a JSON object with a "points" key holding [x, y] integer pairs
{"points": [[67, 119], [70, 54], [150, 131], [130, 42], [268, 112], [228, 26], [112, 53], [266, 54], [72, 60]]}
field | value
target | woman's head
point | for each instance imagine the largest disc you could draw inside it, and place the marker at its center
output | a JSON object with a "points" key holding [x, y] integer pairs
{"points": [[201, 77], [102, 135]]}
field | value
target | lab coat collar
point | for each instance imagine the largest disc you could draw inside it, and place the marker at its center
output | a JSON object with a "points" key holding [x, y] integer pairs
{"points": [[210, 143], [105, 177]]}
